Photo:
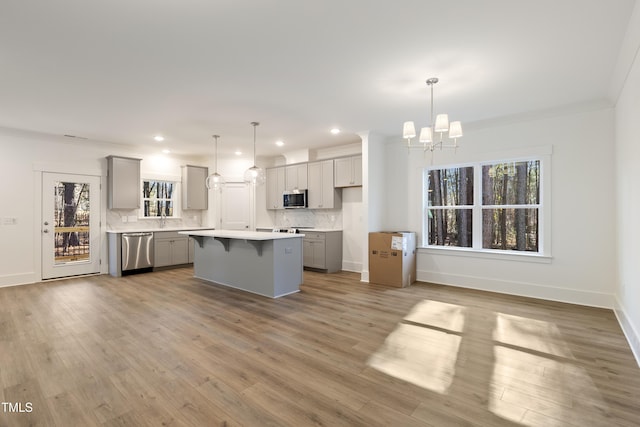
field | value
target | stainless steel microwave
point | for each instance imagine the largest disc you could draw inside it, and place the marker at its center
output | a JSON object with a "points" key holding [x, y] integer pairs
{"points": [[296, 199]]}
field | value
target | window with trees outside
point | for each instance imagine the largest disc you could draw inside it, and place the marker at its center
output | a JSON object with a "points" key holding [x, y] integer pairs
{"points": [[158, 198], [485, 206]]}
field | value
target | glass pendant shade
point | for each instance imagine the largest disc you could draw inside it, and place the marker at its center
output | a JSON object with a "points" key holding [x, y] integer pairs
{"points": [[254, 175], [215, 181]]}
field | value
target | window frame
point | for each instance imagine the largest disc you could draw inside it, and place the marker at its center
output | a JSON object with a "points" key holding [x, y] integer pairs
{"points": [[177, 208], [427, 207], [476, 249]]}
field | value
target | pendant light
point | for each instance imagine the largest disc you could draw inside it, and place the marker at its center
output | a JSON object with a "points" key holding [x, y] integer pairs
{"points": [[254, 175], [215, 180]]}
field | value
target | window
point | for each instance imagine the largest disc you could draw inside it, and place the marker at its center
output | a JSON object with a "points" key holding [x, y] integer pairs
{"points": [[510, 205], [485, 206], [158, 198], [450, 210]]}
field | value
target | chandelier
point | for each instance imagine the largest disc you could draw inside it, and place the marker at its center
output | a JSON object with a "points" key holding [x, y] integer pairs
{"points": [[215, 180], [254, 175], [440, 126]]}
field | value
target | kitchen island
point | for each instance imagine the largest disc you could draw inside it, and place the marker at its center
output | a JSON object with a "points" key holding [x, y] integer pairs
{"points": [[268, 264]]}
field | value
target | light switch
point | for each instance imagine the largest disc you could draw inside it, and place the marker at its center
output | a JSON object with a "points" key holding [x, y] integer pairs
{"points": [[124, 219], [9, 221], [288, 250]]}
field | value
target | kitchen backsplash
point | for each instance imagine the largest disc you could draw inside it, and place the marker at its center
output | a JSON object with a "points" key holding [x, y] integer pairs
{"points": [[115, 220], [329, 218]]}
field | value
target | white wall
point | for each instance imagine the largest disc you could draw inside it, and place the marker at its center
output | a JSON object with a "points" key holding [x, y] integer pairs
{"points": [[375, 169], [582, 267], [627, 172], [25, 156], [352, 229]]}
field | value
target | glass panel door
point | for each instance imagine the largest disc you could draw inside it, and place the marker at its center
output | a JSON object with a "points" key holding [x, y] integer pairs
{"points": [[71, 225], [71, 222]]}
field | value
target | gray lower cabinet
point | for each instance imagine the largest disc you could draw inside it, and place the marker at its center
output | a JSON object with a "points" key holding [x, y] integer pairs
{"points": [[170, 248], [322, 250]]}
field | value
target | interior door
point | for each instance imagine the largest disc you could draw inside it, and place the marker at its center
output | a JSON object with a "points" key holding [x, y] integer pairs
{"points": [[235, 206], [70, 225]]}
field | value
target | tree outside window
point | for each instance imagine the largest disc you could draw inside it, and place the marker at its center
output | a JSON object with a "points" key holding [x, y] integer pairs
{"points": [[511, 205], [450, 210], [157, 197], [502, 202]]}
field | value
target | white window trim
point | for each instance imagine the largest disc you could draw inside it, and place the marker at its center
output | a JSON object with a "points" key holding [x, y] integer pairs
{"points": [[543, 154], [177, 206]]}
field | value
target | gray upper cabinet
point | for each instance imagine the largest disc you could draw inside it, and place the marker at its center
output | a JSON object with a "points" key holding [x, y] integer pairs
{"points": [[348, 171], [296, 177], [322, 194], [194, 188], [123, 180], [275, 187]]}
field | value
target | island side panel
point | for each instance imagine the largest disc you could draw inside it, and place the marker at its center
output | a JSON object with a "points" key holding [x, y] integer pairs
{"points": [[288, 266], [242, 267]]}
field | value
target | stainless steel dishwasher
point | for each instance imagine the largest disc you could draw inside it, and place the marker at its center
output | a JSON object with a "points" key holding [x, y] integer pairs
{"points": [[137, 251]]}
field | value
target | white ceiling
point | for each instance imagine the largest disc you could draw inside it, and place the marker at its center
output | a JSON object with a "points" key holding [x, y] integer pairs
{"points": [[122, 70]]}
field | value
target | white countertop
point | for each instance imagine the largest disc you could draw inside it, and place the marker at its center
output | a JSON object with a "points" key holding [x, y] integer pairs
{"points": [[303, 229], [242, 235], [154, 230]]}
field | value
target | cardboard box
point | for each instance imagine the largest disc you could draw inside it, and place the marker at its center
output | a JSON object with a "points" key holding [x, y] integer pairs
{"points": [[392, 258]]}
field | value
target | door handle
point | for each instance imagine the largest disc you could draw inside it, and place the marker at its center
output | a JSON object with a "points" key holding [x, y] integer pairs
{"points": [[45, 230]]}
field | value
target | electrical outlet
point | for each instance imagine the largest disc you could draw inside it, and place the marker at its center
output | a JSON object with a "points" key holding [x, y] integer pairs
{"points": [[133, 218]]}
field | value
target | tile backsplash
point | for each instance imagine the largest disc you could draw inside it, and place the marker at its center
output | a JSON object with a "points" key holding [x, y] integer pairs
{"points": [[325, 218], [129, 220]]}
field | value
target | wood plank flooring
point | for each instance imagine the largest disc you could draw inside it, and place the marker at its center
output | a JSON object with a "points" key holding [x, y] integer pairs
{"points": [[164, 348]]}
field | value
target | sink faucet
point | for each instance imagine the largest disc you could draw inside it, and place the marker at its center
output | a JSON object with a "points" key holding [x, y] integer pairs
{"points": [[163, 216]]}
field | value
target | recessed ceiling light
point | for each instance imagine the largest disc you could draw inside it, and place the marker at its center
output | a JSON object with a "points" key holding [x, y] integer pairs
{"points": [[335, 131], [238, 153], [166, 151], [279, 143], [159, 138]]}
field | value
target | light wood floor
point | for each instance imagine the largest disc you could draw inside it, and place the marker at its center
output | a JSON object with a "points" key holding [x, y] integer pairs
{"points": [[166, 349]]}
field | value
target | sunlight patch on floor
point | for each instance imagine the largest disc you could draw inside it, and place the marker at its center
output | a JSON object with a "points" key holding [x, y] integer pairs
{"points": [[535, 369], [526, 367], [422, 352]]}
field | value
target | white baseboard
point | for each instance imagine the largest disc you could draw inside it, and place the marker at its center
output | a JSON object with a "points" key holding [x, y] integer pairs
{"points": [[355, 267], [630, 332], [533, 290], [18, 279]]}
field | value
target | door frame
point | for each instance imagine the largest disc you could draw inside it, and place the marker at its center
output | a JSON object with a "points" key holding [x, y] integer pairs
{"points": [[70, 169], [246, 187]]}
